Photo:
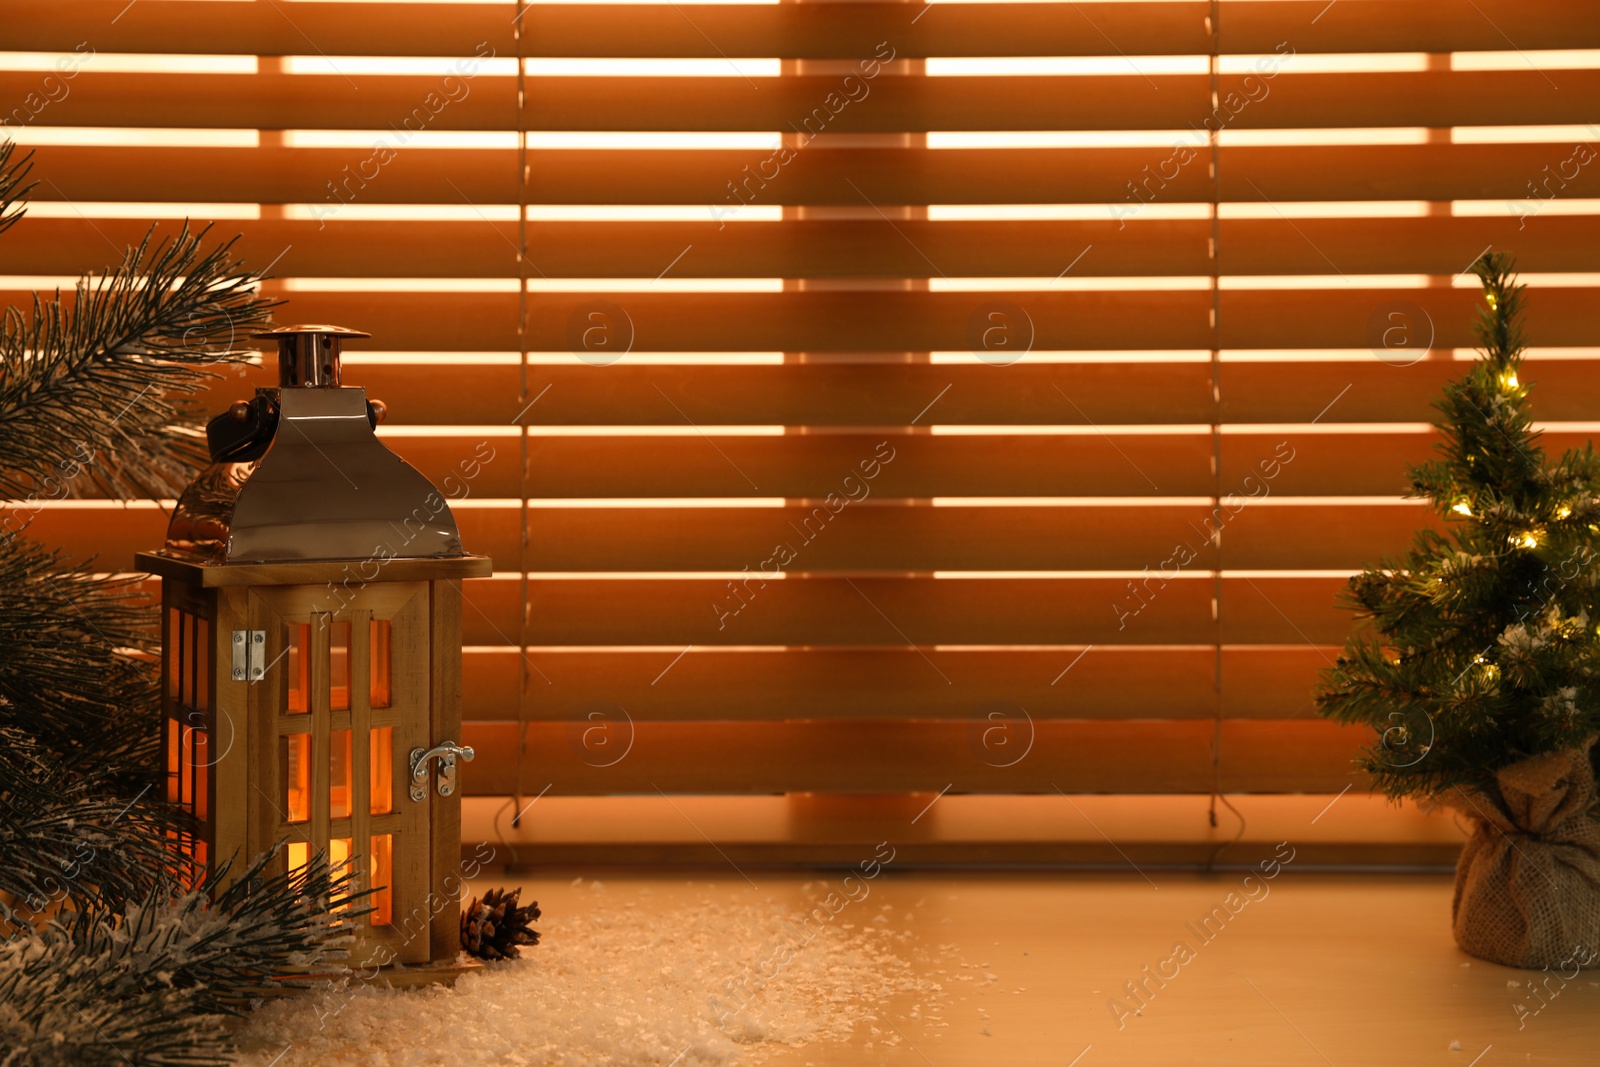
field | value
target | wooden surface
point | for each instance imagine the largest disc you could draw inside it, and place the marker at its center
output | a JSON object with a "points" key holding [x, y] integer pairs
{"points": [[1321, 970]]}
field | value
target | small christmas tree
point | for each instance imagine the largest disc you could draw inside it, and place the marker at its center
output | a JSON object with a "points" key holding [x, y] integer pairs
{"points": [[1481, 648]]}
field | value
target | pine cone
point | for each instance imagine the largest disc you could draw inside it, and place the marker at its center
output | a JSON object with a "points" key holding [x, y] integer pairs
{"points": [[493, 927]]}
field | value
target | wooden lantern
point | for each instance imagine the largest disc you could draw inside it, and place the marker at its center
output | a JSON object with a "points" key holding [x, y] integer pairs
{"points": [[311, 656]]}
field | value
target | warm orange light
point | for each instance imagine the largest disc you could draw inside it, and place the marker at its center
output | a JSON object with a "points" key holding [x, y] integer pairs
{"points": [[299, 668], [379, 663], [339, 666], [341, 775], [382, 770], [296, 776]]}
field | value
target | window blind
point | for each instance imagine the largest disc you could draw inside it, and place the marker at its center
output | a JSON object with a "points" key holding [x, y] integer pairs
{"points": [[872, 409]]}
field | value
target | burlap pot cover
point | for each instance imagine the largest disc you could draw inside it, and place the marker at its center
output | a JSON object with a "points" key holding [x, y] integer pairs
{"points": [[1528, 880]]}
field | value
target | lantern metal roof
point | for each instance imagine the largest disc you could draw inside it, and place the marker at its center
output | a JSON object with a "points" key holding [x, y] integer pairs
{"points": [[298, 475]]}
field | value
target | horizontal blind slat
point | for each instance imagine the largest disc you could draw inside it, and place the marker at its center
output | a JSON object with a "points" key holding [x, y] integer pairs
{"points": [[855, 177], [923, 321], [924, 611], [818, 105], [1143, 391], [812, 248], [871, 756], [770, 548], [1287, 463], [800, 31], [830, 683]]}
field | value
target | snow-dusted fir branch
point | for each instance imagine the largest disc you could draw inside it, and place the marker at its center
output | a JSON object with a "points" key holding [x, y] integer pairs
{"points": [[75, 838], [82, 817], [68, 667], [152, 985], [14, 185], [98, 380]]}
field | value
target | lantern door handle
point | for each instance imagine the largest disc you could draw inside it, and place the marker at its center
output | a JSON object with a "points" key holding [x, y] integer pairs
{"points": [[446, 753]]}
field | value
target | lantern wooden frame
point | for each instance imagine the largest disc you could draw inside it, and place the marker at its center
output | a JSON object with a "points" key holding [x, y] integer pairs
{"points": [[233, 743]]}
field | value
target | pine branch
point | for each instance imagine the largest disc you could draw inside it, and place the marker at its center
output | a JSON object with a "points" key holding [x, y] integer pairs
{"points": [[152, 985], [91, 387], [65, 668], [13, 184], [81, 819], [77, 839]]}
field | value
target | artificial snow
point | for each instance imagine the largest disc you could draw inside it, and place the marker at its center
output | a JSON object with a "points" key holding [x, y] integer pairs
{"points": [[614, 983]]}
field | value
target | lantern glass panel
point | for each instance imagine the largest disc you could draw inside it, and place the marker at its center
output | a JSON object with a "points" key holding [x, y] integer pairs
{"points": [[202, 774], [382, 767], [340, 778], [174, 743], [297, 777], [339, 666], [380, 667], [202, 663], [177, 662], [338, 858], [299, 855], [299, 667], [382, 879], [186, 660], [186, 764]]}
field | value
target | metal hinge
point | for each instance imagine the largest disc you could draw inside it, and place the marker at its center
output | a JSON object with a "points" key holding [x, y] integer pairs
{"points": [[249, 655]]}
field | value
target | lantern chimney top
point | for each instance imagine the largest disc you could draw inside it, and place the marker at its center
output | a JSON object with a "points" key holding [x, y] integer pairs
{"points": [[308, 356]]}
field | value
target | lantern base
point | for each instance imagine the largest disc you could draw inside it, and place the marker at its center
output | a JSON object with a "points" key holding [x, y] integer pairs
{"points": [[411, 976]]}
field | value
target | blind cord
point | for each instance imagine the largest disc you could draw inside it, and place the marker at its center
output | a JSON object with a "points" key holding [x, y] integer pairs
{"points": [[525, 678], [1214, 142]]}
